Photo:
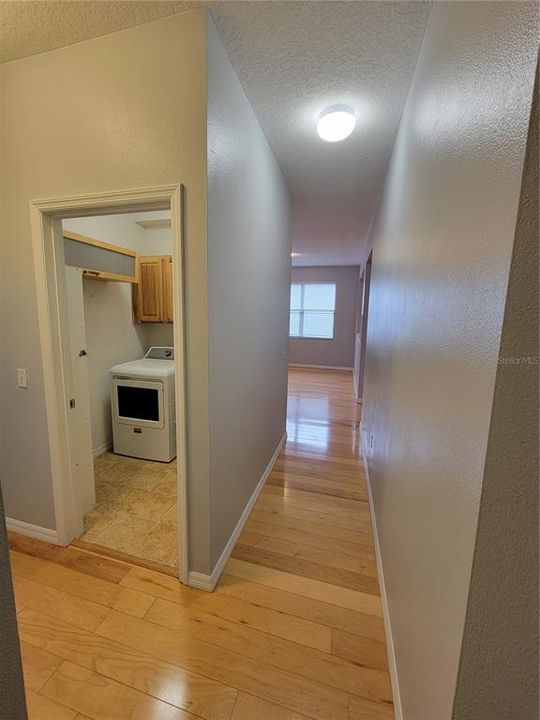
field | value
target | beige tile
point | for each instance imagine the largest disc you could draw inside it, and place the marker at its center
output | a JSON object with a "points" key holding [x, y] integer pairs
{"points": [[171, 516], [134, 498], [146, 478], [166, 486], [153, 506], [124, 533], [160, 544], [95, 523], [120, 498]]}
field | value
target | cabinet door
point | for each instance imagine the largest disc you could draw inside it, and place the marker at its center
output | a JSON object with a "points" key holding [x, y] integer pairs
{"points": [[167, 290], [148, 305]]}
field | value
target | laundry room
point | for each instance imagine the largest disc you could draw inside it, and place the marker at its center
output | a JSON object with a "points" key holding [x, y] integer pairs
{"points": [[119, 290]]}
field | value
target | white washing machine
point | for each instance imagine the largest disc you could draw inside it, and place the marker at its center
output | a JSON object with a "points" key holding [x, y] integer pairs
{"points": [[143, 406]]}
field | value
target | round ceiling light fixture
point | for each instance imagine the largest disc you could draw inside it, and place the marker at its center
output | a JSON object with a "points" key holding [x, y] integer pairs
{"points": [[336, 123]]}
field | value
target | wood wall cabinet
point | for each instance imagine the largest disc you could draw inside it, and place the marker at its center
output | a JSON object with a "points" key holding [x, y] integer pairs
{"points": [[152, 295]]}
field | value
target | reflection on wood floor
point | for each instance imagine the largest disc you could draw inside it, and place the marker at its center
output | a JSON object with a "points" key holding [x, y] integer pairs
{"points": [[293, 630]]}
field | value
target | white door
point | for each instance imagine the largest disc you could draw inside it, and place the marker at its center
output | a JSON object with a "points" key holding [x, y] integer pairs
{"points": [[80, 429]]}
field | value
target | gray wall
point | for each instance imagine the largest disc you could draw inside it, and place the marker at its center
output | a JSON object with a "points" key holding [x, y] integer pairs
{"points": [[249, 249], [443, 242], [126, 110], [12, 701], [338, 352], [498, 675]]}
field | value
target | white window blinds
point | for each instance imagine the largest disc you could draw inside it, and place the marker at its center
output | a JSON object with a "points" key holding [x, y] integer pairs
{"points": [[312, 310]]}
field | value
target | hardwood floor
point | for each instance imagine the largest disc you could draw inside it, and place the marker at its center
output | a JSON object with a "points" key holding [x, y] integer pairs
{"points": [[292, 632]]}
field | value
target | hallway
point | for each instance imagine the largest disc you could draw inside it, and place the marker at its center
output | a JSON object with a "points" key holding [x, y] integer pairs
{"points": [[293, 630]]}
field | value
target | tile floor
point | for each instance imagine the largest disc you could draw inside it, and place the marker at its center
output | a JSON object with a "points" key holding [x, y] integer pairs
{"points": [[135, 509]]}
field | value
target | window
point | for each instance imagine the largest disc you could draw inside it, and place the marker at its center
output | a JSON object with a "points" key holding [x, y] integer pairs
{"points": [[312, 310]]}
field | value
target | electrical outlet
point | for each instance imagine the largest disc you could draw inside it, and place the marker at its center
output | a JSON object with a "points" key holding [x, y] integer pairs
{"points": [[22, 378]]}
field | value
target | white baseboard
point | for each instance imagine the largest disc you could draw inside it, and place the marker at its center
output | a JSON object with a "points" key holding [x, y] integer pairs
{"points": [[201, 581], [33, 531], [209, 582], [96, 452], [355, 381], [392, 665], [355, 384], [321, 367]]}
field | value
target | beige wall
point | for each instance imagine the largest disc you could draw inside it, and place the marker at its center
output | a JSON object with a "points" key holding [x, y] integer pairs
{"points": [[122, 111], [249, 245], [338, 352], [442, 249]]}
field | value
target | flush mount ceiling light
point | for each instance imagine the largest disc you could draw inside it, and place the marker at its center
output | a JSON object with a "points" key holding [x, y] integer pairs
{"points": [[336, 123]]}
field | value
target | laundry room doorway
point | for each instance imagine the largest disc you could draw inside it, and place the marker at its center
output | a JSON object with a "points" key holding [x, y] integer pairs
{"points": [[113, 351]]}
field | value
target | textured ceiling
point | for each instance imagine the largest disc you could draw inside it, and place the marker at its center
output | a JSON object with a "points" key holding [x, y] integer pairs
{"points": [[294, 59]]}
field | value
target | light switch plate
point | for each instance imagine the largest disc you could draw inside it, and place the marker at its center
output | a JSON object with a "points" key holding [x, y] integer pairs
{"points": [[22, 378]]}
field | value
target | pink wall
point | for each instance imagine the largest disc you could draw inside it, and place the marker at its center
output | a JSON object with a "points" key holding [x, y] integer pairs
{"points": [[338, 352]]}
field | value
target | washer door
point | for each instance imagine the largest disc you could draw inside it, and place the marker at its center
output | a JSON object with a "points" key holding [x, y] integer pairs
{"points": [[138, 402]]}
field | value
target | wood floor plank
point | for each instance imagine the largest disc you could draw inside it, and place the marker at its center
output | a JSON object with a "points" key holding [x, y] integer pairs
{"points": [[309, 552], [335, 488], [312, 664], [165, 681], [297, 457], [295, 510], [99, 697], [359, 649], [321, 467], [340, 507], [315, 589], [38, 665], [297, 606], [232, 609], [49, 600], [95, 565], [254, 677], [304, 549], [305, 568], [356, 534], [362, 709], [317, 542], [251, 708], [80, 585], [40, 707], [96, 549]]}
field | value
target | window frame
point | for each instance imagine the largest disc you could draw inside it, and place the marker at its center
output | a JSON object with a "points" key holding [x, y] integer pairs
{"points": [[302, 311]]}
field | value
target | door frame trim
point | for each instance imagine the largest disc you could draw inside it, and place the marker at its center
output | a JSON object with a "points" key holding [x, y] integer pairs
{"points": [[46, 231]]}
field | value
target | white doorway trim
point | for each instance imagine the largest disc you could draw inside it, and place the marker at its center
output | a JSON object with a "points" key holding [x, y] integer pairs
{"points": [[47, 242]]}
